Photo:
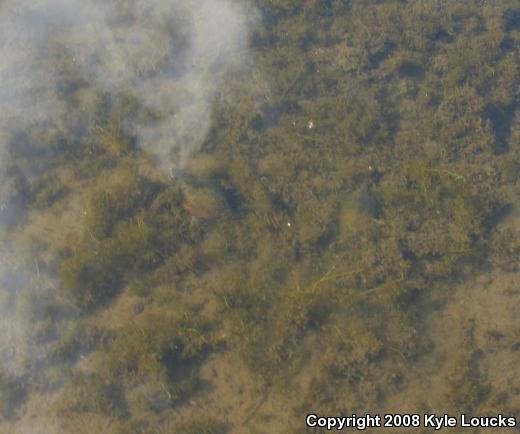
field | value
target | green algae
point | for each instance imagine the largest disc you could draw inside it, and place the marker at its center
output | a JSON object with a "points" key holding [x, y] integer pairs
{"points": [[304, 244]]}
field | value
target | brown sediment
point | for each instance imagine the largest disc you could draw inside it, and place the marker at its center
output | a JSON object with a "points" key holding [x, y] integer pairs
{"points": [[204, 203]]}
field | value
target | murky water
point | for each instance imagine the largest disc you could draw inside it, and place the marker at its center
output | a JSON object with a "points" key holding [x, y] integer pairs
{"points": [[253, 211]]}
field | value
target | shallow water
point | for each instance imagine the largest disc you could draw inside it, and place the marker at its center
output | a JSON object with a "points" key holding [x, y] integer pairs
{"points": [[253, 212]]}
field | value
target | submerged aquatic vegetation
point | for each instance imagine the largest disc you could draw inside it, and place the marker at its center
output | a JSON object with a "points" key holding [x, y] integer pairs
{"points": [[346, 188]]}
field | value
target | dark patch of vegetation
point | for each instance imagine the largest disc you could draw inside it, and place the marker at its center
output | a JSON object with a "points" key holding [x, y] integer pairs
{"points": [[90, 393], [13, 392]]}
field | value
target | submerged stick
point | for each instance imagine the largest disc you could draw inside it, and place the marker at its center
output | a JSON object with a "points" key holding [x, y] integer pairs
{"points": [[257, 407]]}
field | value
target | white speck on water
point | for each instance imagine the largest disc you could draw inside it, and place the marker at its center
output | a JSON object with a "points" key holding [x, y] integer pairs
{"points": [[311, 125]]}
